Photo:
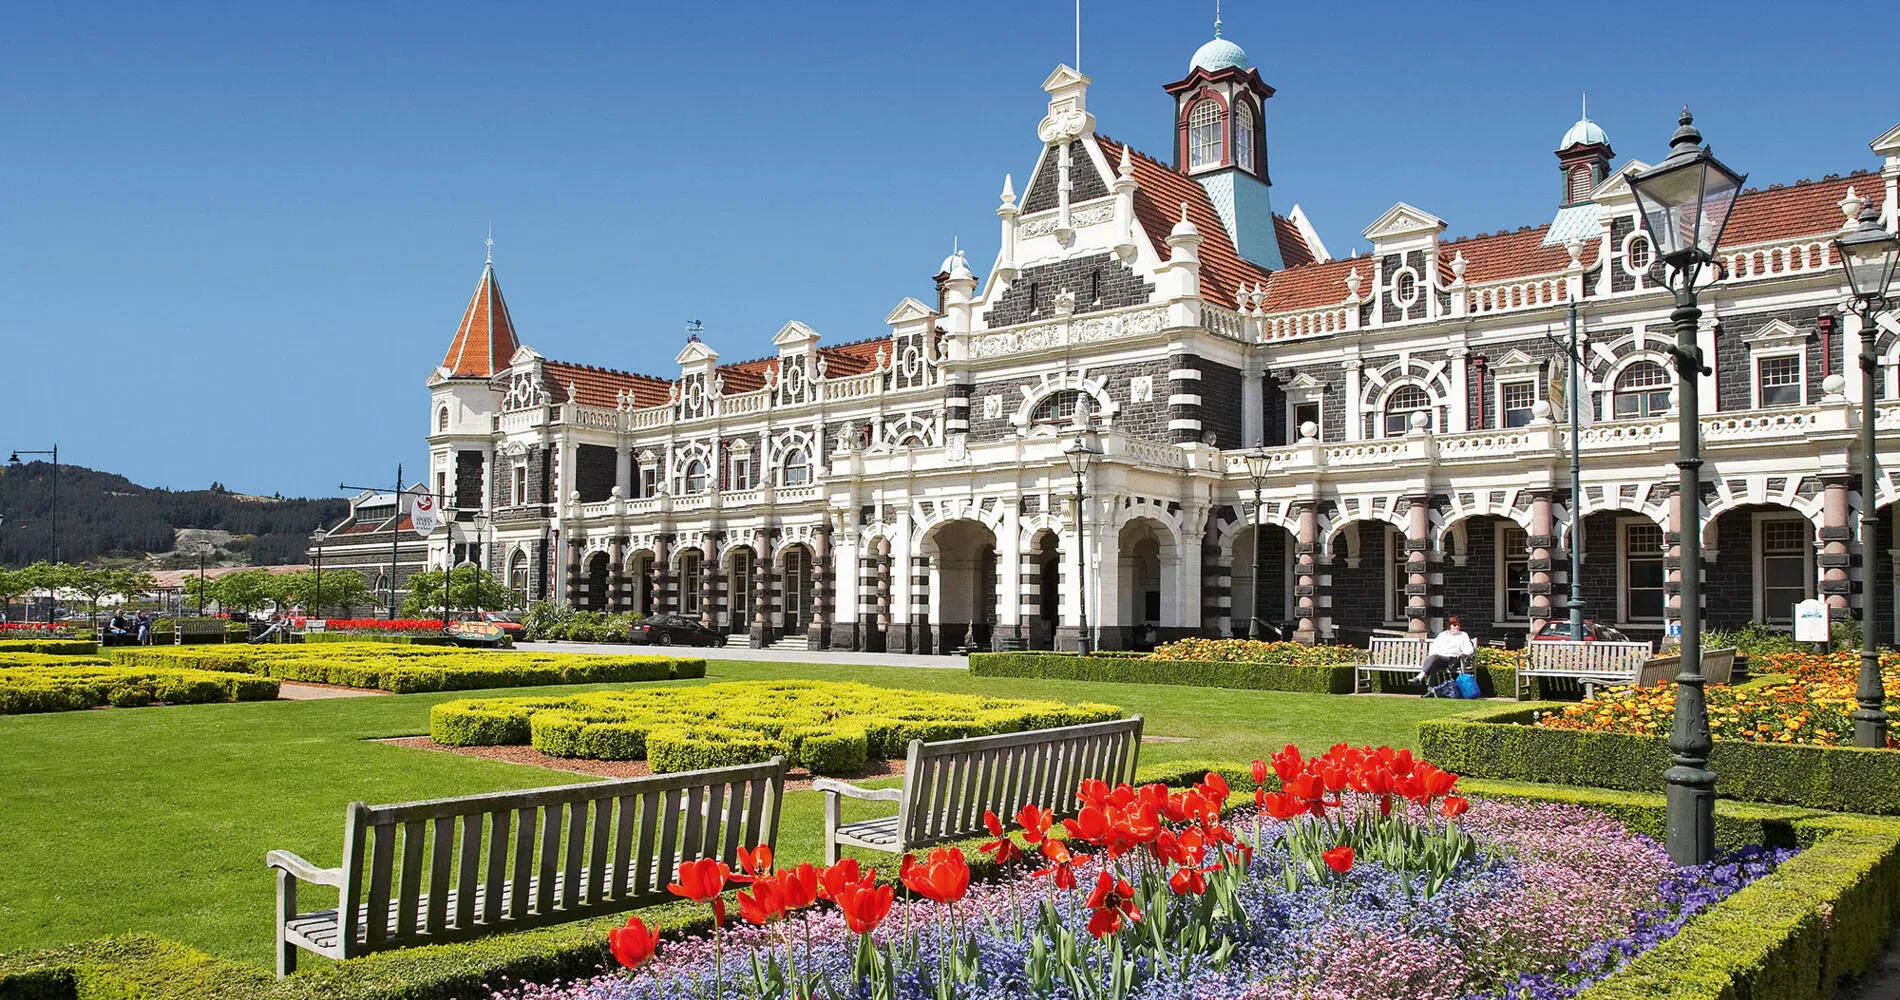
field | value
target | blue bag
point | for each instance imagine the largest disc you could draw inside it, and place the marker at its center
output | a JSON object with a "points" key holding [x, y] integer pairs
{"points": [[1467, 686]]}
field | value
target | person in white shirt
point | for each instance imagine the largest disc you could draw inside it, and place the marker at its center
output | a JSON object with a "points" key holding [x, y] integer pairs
{"points": [[1446, 649]]}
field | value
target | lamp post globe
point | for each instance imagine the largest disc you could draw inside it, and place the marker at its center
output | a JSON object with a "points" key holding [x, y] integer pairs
{"points": [[1080, 454], [1684, 203], [1868, 256], [1258, 463]]}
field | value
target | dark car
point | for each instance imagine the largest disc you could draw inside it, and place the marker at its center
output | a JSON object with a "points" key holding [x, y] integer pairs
{"points": [[1560, 631], [675, 630]]}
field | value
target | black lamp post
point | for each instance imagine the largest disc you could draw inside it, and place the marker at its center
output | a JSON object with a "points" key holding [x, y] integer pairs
{"points": [[1256, 471], [1080, 455], [1868, 255], [1685, 202], [316, 558], [52, 510]]}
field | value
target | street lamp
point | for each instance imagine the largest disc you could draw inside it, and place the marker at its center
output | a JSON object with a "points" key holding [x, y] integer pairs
{"points": [[1684, 202], [52, 511], [1080, 455], [316, 599], [1257, 471], [1868, 255], [481, 554]]}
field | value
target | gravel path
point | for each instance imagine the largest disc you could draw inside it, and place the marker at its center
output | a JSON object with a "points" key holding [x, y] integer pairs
{"points": [[795, 780]]}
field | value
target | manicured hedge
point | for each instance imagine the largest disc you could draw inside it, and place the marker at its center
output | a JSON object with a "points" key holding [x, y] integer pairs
{"points": [[1501, 743], [59, 684], [55, 647], [406, 669], [828, 727], [1191, 673]]}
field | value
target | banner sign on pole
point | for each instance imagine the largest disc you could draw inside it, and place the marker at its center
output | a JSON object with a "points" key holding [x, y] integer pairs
{"points": [[423, 515]]}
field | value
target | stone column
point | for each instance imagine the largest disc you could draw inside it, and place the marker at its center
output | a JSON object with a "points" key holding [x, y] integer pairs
{"points": [[623, 469], [1029, 598], [1672, 565], [1218, 614], [761, 634], [708, 580], [1306, 576], [1834, 559], [1418, 565], [573, 574], [1184, 399], [620, 585], [818, 633], [920, 604], [1543, 548], [660, 575], [880, 623]]}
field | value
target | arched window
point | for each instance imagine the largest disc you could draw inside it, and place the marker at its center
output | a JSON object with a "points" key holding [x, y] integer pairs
{"points": [[1642, 390], [1399, 407], [1204, 139], [695, 476], [1057, 407], [1243, 135], [1581, 181], [796, 468], [442, 420], [518, 578]]}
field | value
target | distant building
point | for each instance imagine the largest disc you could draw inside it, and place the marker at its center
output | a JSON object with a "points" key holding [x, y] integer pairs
{"points": [[909, 491], [362, 542]]}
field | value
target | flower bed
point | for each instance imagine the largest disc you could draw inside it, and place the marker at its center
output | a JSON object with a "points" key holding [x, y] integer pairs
{"points": [[56, 683], [1367, 879], [826, 727], [406, 669], [1811, 704], [390, 626]]}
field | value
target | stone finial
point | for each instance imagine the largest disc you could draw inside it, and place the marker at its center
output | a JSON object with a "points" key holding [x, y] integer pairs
{"points": [[1353, 281], [1850, 207], [1458, 265], [880, 360], [1127, 166], [1834, 389], [1309, 431], [1575, 249], [822, 366], [1009, 192]]}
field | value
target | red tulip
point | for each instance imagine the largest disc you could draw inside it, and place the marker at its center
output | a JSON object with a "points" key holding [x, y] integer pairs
{"points": [[1112, 901], [1454, 807], [764, 904], [943, 878], [1090, 824], [864, 907], [754, 863], [1259, 772], [702, 880], [1214, 787], [1062, 863], [799, 886], [1287, 763], [833, 880], [1188, 881], [1035, 822], [1339, 859], [1003, 847], [633, 945]]}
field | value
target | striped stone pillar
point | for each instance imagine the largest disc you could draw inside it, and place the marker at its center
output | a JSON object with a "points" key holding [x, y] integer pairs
{"points": [[1219, 617], [1672, 564], [881, 590], [1835, 560], [819, 632], [573, 575], [1184, 398], [620, 583], [1418, 566], [920, 604], [659, 579], [1029, 601], [1542, 540], [709, 580], [1306, 576], [761, 634], [956, 403]]}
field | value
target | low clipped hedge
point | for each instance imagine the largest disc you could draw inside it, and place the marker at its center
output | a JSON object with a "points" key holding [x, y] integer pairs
{"points": [[51, 647], [1502, 743], [408, 669], [66, 684], [1793, 934], [826, 727], [1329, 679]]}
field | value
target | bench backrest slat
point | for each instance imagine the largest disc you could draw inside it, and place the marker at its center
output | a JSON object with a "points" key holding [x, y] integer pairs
{"points": [[589, 848], [949, 785], [1395, 651], [1573, 655]]}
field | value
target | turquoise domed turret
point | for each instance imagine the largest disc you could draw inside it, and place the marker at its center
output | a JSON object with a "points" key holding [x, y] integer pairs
{"points": [[1217, 55], [1585, 131]]}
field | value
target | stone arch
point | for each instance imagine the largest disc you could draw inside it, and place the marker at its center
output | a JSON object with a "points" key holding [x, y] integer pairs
{"points": [[927, 517], [1103, 412], [1148, 556], [1759, 491], [597, 576], [965, 580]]}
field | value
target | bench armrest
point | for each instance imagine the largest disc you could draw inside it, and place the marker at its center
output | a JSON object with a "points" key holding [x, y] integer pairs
{"points": [[304, 870], [835, 787]]}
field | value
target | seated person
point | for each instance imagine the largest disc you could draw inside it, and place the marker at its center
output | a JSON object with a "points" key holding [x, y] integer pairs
{"points": [[1446, 649]]}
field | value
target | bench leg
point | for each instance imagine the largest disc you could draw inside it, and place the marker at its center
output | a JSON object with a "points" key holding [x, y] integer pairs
{"points": [[286, 909], [833, 814]]}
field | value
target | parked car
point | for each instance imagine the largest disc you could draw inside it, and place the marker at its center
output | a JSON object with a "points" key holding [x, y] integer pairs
{"points": [[508, 622], [675, 630], [1560, 631]]}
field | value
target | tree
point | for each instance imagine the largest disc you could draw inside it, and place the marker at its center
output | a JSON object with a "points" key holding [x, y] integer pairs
{"points": [[52, 578], [341, 588], [93, 584], [133, 584], [13, 583], [471, 588], [201, 592], [244, 591]]}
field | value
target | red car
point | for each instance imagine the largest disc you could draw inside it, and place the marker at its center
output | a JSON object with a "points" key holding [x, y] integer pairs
{"points": [[1560, 631], [507, 622]]}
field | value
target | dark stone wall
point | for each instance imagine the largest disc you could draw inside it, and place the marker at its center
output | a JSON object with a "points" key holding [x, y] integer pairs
{"points": [[1359, 594], [1470, 591], [594, 472], [1332, 408], [1729, 593], [540, 474], [1221, 410], [1144, 420], [1599, 566], [1084, 181], [1099, 281], [1734, 367], [1481, 399], [1275, 582], [468, 479]]}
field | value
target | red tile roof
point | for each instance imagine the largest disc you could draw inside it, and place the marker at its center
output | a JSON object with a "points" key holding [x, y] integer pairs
{"points": [[1312, 285], [486, 339], [1293, 248], [1804, 208], [1158, 200], [1495, 256], [857, 357], [599, 386]]}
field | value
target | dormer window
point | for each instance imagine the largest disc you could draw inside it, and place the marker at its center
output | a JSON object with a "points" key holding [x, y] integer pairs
{"points": [[1204, 138], [1243, 135]]}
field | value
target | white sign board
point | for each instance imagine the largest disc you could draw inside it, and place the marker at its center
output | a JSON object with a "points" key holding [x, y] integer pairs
{"points": [[1810, 621], [423, 515], [1674, 631]]}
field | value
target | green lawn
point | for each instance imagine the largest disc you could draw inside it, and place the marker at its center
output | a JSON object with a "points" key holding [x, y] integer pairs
{"points": [[158, 819]]}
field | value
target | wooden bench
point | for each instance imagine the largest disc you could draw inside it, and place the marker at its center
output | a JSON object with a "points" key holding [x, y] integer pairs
{"points": [[578, 851], [1718, 667], [206, 629], [1388, 654], [950, 784], [1591, 664]]}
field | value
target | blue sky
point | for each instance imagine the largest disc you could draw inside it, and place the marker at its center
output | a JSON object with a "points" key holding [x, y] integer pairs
{"points": [[234, 239]]}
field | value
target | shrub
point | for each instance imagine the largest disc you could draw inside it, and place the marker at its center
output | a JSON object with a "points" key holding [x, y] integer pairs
{"points": [[65, 683], [50, 646], [831, 727], [542, 617], [407, 669], [1249, 651], [1315, 679], [1500, 742], [129, 696]]}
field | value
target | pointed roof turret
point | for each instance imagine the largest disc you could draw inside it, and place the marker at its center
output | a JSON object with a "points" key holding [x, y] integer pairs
{"points": [[486, 339]]}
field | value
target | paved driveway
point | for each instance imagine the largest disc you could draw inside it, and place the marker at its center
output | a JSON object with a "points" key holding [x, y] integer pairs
{"points": [[762, 655]]}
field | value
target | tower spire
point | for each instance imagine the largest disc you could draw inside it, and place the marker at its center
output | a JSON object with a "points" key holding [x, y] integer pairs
{"points": [[490, 242], [1216, 18]]}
